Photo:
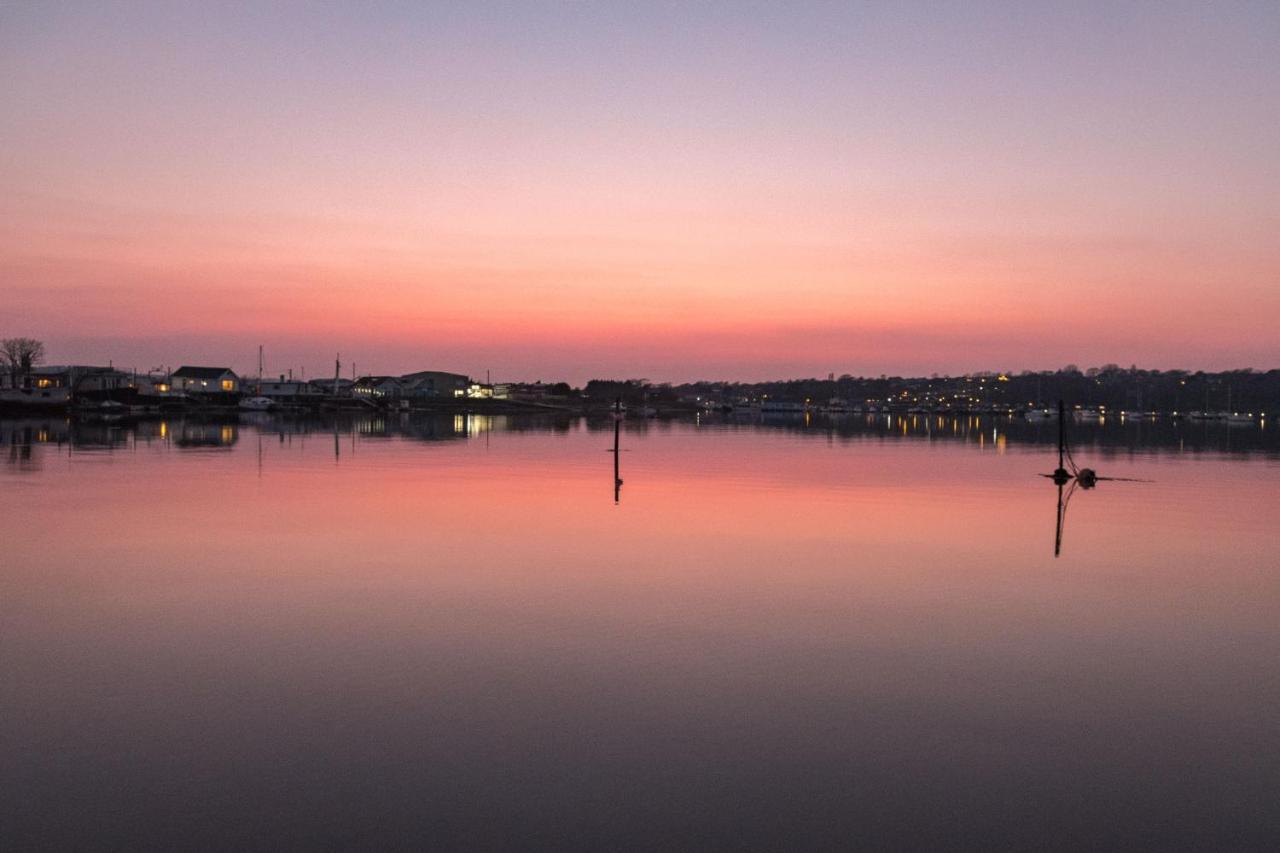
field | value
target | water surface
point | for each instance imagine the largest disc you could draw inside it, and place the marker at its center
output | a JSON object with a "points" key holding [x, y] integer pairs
{"points": [[446, 634]]}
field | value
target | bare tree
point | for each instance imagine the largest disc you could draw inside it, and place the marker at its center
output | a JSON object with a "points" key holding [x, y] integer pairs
{"points": [[19, 355]]}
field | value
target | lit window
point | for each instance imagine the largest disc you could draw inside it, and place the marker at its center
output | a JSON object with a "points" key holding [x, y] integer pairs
{"points": [[228, 385]]}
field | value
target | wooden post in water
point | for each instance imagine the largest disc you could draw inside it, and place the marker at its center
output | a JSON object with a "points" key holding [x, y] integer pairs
{"points": [[1061, 475], [617, 433]]}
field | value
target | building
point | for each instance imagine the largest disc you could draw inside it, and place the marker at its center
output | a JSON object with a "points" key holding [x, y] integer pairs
{"points": [[285, 390], [101, 380], [330, 387], [205, 380], [436, 383], [378, 387]]}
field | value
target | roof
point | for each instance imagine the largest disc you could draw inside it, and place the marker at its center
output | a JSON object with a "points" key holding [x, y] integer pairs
{"points": [[435, 374], [187, 372], [375, 380], [54, 369]]}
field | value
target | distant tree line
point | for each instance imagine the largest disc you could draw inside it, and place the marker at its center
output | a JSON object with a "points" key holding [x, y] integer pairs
{"points": [[1111, 386]]}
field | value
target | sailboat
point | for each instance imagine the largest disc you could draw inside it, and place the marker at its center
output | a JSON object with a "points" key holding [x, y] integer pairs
{"points": [[257, 403]]}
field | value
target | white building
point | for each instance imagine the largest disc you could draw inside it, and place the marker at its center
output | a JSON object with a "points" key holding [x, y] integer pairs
{"points": [[205, 380]]}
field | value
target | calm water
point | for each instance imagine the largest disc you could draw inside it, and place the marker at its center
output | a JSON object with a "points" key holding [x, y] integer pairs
{"points": [[446, 634]]}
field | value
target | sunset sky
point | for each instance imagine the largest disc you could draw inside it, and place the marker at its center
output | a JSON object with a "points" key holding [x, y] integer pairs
{"points": [[665, 190]]}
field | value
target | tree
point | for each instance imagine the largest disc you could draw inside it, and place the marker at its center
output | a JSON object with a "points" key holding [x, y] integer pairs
{"points": [[19, 355]]}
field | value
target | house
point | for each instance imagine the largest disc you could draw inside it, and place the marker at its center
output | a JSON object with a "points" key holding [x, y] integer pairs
{"points": [[205, 380], [285, 389], [57, 385], [100, 380], [436, 383], [378, 387]]}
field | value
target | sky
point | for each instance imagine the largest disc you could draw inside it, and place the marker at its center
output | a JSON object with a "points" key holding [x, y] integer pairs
{"points": [[672, 191]]}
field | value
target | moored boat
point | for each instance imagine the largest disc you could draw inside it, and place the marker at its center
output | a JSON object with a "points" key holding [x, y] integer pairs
{"points": [[257, 404]]}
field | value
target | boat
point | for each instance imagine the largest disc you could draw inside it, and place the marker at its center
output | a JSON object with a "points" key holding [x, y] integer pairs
{"points": [[1088, 415], [257, 404], [1240, 418], [1038, 415]]}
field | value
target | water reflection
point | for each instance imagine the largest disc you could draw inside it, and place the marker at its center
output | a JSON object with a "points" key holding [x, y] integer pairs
{"points": [[1107, 439], [791, 638], [1064, 499], [617, 476]]}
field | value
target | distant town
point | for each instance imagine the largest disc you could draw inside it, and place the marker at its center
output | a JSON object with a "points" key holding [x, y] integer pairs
{"points": [[1239, 396]]}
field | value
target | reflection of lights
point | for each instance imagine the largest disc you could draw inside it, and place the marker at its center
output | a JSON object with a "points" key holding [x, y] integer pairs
{"points": [[164, 430], [227, 435]]}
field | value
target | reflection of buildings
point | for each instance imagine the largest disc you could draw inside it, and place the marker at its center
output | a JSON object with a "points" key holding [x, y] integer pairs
{"points": [[195, 434]]}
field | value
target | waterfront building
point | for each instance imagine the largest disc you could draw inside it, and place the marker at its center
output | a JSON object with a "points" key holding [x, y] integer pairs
{"points": [[205, 380], [436, 383], [284, 390], [378, 387]]}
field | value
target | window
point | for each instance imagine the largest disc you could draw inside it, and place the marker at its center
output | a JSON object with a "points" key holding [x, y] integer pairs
{"points": [[228, 385]]}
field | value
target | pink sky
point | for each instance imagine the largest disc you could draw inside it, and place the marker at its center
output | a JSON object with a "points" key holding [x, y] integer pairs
{"points": [[579, 191]]}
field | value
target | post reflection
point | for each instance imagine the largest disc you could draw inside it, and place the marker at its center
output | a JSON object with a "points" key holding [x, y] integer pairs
{"points": [[1065, 491]]}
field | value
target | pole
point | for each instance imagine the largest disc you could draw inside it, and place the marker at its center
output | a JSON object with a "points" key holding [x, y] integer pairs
{"points": [[1062, 424], [617, 431]]}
